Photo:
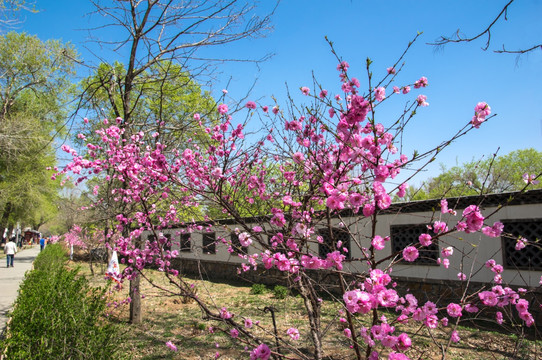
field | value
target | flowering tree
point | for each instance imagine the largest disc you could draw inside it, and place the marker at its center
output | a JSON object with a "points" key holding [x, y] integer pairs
{"points": [[312, 168]]}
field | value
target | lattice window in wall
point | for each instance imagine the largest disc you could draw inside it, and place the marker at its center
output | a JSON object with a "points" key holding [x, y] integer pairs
{"points": [[530, 257], [209, 243], [329, 243], [185, 242], [407, 235]]}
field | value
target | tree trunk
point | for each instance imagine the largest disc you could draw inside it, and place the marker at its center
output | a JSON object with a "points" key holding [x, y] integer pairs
{"points": [[135, 296], [135, 304]]}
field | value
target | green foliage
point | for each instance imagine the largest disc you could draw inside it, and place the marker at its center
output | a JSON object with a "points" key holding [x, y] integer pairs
{"points": [[280, 292], [258, 289], [58, 315], [34, 83], [491, 175], [51, 260]]}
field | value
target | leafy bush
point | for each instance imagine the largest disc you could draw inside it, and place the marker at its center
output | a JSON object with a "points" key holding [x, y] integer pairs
{"points": [[58, 315], [280, 292], [257, 289]]}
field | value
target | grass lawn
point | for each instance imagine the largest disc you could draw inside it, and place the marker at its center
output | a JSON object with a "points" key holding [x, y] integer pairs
{"points": [[168, 318]]}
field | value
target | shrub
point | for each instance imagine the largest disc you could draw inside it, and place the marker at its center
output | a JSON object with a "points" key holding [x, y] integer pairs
{"points": [[58, 315], [257, 289], [280, 292]]}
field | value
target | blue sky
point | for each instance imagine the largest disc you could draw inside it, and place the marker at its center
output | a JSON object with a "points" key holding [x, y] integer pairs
{"points": [[460, 75]]}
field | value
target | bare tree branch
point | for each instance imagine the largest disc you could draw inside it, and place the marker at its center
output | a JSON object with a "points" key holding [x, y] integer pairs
{"points": [[457, 37]]}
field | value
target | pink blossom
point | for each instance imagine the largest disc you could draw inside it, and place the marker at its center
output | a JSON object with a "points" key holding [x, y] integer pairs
{"points": [[455, 337], [527, 317], [444, 206], [410, 253], [422, 82], [222, 109], [494, 231], [440, 227], [335, 202], [499, 318], [323, 94], [461, 226], [368, 210], [250, 105], [497, 269], [389, 341], [461, 276], [343, 66], [234, 333], [225, 314], [488, 298], [402, 190], [522, 305], [481, 110], [172, 346], [216, 172], [521, 243], [378, 242], [421, 99], [403, 342], [406, 89], [275, 109], [261, 352], [425, 239], [197, 116], [244, 239], [391, 70], [305, 90], [396, 90], [293, 333], [474, 219], [447, 251], [387, 298], [530, 179], [490, 263], [431, 321], [298, 157], [380, 93], [454, 310], [248, 323], [347, 333], [430, 308]]}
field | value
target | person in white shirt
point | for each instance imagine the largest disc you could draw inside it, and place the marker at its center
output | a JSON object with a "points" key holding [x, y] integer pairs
{"points": [[10, 250]]}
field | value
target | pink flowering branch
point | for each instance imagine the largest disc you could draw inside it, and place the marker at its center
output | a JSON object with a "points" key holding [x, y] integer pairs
{"points": [[298, 180]]}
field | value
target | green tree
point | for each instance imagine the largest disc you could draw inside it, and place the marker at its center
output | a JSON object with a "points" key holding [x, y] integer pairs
{"points": [[34, 86], [492, 175]]}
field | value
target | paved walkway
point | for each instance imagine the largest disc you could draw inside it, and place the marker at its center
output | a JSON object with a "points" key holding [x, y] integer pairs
{"points": [[10, 279]]}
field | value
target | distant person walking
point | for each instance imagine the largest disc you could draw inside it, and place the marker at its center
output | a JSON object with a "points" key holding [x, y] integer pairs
{"points": [[42, 243], [10, 250]]}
